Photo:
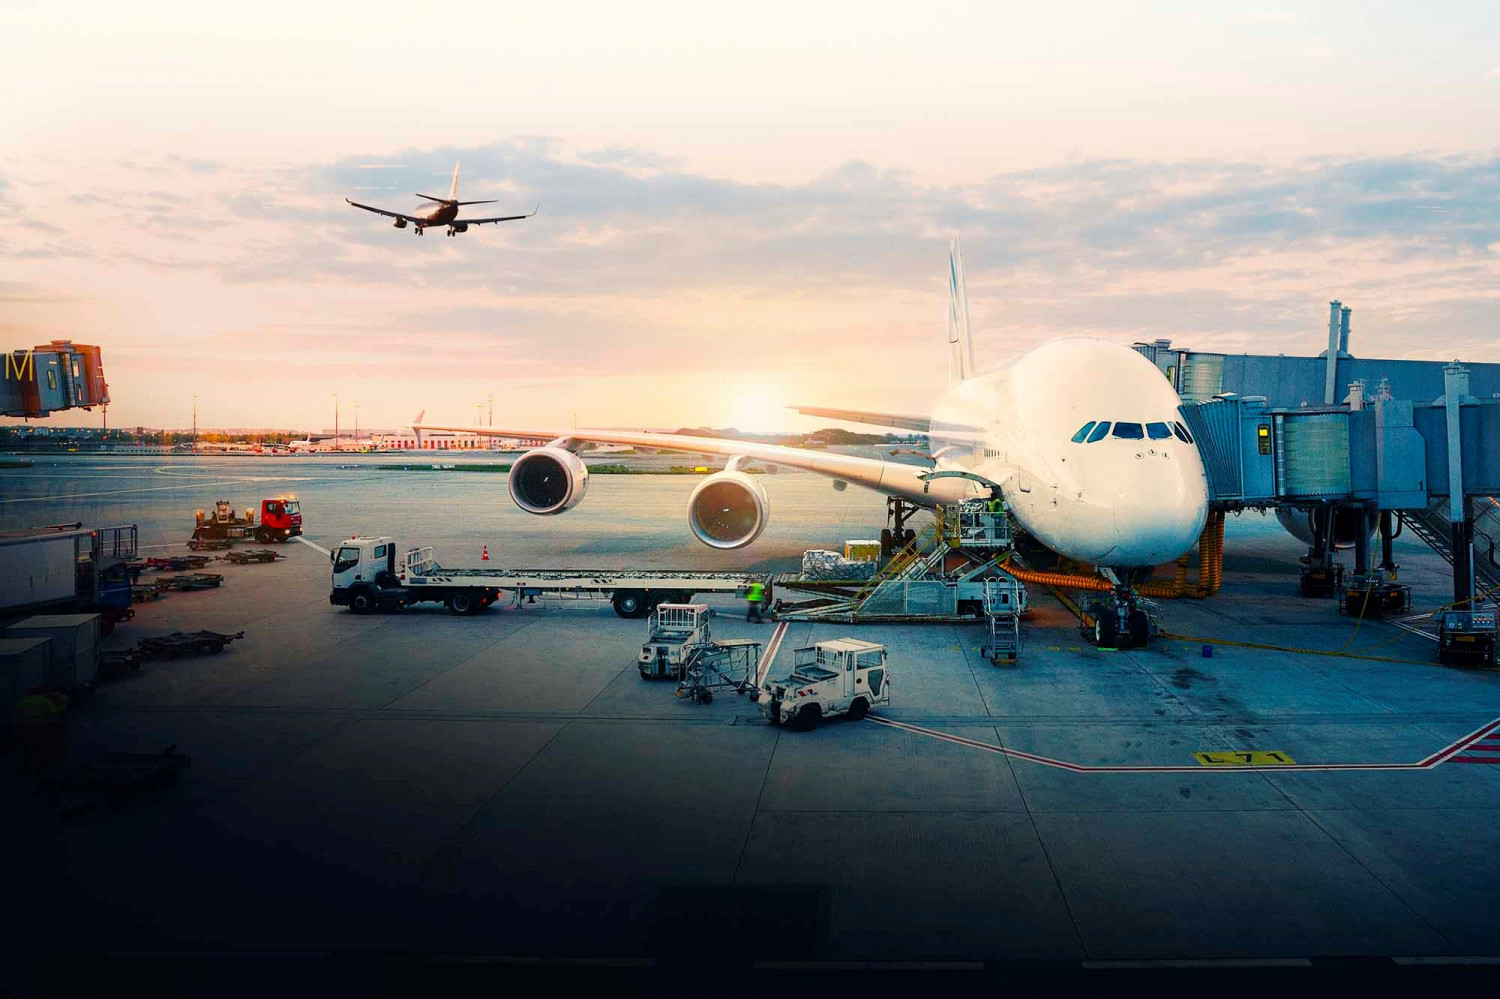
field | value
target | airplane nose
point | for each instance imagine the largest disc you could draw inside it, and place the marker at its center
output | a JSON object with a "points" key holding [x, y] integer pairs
{"points": [[1159, 521]]}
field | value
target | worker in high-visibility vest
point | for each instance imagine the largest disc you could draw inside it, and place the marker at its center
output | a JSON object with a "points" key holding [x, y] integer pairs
{"points": [[997, 505], [754, 594]]}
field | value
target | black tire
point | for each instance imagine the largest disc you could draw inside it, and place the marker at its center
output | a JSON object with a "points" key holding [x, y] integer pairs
{"points": [[263, 535], [362, 601], [886, 542], [1140, 628], [1106, 631], [807, 717], [706, 697], [907, 537], [630, 603], [462, 602], [859, 709]]}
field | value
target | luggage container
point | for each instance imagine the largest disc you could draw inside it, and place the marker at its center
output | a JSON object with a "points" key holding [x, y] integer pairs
{"points": [[23, 667], [74, 646]]}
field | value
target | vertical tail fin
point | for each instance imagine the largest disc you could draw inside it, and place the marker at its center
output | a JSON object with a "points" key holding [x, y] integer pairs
{"points": [[453, 191], [960, 348]]}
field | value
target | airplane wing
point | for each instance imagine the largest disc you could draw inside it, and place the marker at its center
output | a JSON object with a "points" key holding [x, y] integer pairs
{"points": [[498, 218], [893, 420], [888, 477], [382, 211]]}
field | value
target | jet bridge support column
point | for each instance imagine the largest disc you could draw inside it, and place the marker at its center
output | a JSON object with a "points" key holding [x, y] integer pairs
{"points": [[1461, 526], [1387, 562]]}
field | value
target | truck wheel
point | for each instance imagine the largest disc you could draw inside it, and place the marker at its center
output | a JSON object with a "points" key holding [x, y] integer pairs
{"points": [[629, 603], [263, 535], [462, 602], [859, 709], [807, 717], [362, 602]]}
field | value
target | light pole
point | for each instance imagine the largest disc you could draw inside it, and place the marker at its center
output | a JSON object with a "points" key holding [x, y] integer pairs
{"points": [[356, 424], [335, 421], [491, 400], [195, 423]]}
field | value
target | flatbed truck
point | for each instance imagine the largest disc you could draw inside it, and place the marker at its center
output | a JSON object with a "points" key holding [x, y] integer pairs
{"points": [[369, 576]]}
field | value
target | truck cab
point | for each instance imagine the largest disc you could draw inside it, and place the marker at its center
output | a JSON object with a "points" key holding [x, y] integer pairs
{"points": [[845, 676], [363, 569], [280, 519]]}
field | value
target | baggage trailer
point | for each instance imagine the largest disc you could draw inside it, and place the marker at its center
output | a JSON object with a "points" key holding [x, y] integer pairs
{"points": [[368, 577]]}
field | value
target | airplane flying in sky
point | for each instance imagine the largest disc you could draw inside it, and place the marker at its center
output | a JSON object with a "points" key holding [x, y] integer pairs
{"points": [[444, 212], [1081, 438]]}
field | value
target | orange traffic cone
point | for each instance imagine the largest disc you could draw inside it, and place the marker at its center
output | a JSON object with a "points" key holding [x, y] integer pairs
{"points": [[484, 556]]}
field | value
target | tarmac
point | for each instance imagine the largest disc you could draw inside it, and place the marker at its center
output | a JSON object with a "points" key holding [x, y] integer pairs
{"points": [[507, 785]]}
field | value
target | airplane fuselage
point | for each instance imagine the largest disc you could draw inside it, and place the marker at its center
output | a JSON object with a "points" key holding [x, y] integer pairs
{"points": [[440, 214], [1112, 498]]}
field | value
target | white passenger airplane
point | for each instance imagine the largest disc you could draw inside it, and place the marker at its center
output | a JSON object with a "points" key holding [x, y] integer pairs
{"points": [[444, 212], [1081, 437]]}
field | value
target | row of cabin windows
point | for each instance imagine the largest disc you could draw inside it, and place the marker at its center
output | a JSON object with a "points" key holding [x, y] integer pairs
{"points": [[1097, 430]]}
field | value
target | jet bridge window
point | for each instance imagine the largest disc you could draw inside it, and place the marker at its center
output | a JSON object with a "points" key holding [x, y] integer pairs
{"points": [[1099, 432], [1083, 432], [1158, 431], [1182, 432], [1129, 431]]}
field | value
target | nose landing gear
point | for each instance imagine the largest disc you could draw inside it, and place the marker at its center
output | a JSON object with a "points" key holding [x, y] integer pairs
{"points": [[1120, 619]]}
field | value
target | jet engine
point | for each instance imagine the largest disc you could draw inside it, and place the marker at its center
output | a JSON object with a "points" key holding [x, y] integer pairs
{"points": [[459, 227], [1347, 524], [728, 510], [548, 480], [400, 223]]}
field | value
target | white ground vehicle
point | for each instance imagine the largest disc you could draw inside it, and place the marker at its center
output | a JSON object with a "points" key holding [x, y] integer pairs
{"points": [[368, 577], [842, 676], [676, 630]]}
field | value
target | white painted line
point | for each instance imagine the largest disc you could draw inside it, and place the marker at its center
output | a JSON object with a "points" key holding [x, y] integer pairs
{"points": [[1436, 759], [316, 548]]}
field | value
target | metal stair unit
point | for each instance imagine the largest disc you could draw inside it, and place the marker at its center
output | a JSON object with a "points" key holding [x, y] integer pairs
{"points": [[1431, 525], [1003, 618]]}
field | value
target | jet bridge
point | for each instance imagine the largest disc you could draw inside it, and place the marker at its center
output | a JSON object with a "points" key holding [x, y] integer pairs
{"points": [[1430, 465]]}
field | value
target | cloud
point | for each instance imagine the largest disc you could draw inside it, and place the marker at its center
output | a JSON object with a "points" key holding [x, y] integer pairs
{"points": [[1494, 73], [638, 265]]}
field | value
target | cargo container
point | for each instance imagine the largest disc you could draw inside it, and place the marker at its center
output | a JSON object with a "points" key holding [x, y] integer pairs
{"points": [[73, 646], [23, 668]]}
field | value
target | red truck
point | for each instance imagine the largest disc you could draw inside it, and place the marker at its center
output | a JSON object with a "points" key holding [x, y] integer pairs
{"points": [[280, 519]]}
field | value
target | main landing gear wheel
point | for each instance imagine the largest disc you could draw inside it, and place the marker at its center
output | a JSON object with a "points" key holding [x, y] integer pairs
{"points": [[1140, 628]]}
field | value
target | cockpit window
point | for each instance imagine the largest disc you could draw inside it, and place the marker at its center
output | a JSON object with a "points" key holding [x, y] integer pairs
{"points": [[1083, 432], [1129, 431], [1182, 432], [1099, 432], [1158, 431]]}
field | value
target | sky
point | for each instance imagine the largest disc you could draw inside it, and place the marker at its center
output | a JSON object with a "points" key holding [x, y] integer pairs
{"points": [[742, 206]]}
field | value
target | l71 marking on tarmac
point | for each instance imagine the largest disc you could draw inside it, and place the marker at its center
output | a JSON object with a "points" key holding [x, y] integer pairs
{"points": [[1228, 758]]}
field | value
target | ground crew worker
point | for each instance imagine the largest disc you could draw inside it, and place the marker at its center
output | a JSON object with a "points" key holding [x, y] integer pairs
{"points": [[997, 505], [754, 594]]}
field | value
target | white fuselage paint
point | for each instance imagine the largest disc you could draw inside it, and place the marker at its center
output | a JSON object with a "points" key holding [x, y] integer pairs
{"points": [[1116, 502]]}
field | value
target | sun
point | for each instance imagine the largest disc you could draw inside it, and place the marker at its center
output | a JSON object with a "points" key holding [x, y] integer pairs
{"points": [[755, 402]]}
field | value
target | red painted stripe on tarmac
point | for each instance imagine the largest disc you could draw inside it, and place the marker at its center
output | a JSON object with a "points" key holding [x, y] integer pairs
{"points": [[1444, 755], [769, 656], [1474, 759]]}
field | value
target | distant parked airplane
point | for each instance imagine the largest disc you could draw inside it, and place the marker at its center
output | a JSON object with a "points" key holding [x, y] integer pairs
{"points": [[444, 213]]}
